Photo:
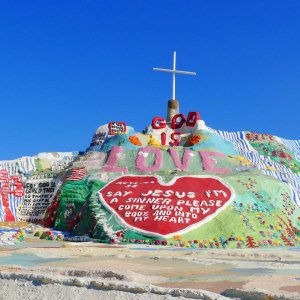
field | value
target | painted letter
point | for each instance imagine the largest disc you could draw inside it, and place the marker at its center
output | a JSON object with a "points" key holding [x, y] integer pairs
{"points": [[208, 162], [140, 162], [185, 159], [161, 125], [111, 163], [178, 125], [193, 117], [163, 138], [176, 141]]}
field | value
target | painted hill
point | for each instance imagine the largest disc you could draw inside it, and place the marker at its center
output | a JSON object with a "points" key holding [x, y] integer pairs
{"points": [[180, 184]]}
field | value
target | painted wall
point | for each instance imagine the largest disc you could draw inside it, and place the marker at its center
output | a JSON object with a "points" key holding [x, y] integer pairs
{"points": [[182, 184]]}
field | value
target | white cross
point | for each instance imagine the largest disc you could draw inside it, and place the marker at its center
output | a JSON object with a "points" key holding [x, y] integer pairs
{"points": [[174, 71]]}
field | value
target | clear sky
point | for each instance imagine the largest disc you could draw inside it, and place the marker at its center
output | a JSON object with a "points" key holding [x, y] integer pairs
{"points": [[68, 67]]}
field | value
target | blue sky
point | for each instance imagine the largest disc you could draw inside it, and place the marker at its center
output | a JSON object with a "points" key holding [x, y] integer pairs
{"points": [[68, 67]]}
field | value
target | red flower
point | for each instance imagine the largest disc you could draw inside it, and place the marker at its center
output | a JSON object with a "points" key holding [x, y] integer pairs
{"points": [[283, 155]]}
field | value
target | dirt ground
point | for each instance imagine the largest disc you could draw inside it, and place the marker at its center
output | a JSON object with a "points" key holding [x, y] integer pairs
{"points": [[275, 270]]}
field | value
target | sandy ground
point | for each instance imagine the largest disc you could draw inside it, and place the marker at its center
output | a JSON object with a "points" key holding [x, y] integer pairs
{"points": [[23, 289], [39, 269], [276, 271]]}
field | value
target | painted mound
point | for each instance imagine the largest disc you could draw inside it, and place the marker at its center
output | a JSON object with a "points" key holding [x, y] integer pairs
{"points": [[181, 184]]}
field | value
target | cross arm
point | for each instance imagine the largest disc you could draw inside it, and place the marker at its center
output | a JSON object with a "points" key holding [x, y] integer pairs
{"points": [[174, 71]]}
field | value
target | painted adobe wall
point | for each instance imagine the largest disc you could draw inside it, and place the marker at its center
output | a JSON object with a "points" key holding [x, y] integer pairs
{"points": [[182, 184]]}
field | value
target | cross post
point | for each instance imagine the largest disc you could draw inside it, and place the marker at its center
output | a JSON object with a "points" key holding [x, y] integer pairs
{"points": [[174, 71]]}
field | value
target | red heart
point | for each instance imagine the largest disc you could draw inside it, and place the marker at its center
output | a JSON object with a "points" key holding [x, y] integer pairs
{"points": [[147, 205]]}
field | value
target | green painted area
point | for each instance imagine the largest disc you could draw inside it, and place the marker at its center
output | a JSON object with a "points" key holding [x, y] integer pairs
{"points": [[73, 195], [275, 149], [244, 216]]}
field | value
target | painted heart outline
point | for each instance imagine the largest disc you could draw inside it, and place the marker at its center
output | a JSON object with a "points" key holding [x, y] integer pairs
{"points": [[205, 197]]}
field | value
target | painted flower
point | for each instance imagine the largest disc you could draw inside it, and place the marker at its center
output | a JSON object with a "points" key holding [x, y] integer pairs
{"points": [[194, 139], [135, 140]]}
